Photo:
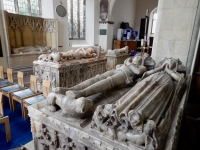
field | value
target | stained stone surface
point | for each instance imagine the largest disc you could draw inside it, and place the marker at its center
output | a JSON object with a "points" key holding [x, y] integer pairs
{"points": [[51, 132], [69, 72], [176, 30]]}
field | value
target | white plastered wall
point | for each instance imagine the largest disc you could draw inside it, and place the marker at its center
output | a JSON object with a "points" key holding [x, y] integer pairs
{"points": [[123, 11], [48, 11], [141, 7], [91, 26]]}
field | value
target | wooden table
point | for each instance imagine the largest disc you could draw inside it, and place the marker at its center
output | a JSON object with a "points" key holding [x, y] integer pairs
{"points": [[119, 44]]}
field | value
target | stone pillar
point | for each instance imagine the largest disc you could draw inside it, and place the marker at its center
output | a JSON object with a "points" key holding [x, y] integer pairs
{"points": [[105, 24], [176, 30], [105, 41]]}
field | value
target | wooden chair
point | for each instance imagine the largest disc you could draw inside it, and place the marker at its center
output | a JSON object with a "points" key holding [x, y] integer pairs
{"points": [[19, 96], [30, 101], [1, 73], [10, 79], [5, 120], [8, 90]]}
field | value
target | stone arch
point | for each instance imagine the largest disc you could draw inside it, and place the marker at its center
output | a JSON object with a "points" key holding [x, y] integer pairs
{"points": [[27, 36], [151, 21], [111, 7]]}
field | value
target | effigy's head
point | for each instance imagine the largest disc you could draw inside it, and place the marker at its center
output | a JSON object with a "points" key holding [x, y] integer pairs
{"points": [[172, 63], [148, 61], [137, 60]]}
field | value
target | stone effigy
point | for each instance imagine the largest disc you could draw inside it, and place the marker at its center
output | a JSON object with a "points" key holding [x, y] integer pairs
{"points": [[52, 57], [73, 101], [116, 56], [32, 49], [83, 52], [143, 116]]}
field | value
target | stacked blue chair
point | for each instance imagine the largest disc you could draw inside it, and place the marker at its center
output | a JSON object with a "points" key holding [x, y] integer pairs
{"points": [[8, 82], [30, 101], [19, 96], [8, 90]]}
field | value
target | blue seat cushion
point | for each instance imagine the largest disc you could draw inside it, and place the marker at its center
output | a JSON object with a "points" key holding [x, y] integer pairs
{"points": [[34, 99], [11, 88], [24, 93], [4, 83]]}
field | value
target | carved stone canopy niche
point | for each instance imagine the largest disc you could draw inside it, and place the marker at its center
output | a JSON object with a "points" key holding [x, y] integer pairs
{"points": [[23, 32]]}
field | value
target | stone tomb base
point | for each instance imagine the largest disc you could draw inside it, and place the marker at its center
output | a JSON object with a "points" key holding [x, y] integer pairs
{"points": [[69, 72], [52, 131]]}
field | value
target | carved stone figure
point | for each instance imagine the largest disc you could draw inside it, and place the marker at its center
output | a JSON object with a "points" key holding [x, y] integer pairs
{"points": [[118, 52], [31, 49], [143, 116], [75, 104], [84, 52], [54, 56]]}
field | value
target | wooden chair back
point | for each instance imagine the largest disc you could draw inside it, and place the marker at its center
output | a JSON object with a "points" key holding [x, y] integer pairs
{"points": [[10, 75], [20, 77], [33, 83], [46, 87], [1, 72], [5, 119], [1, 104]]}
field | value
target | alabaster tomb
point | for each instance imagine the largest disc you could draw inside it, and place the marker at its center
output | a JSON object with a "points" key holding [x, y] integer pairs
{"points": [[66, 69], [116, 56], [126, 108]]}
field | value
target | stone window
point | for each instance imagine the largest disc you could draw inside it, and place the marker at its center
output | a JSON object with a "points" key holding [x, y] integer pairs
{"points": [[154, 20], [76, 19], [152, 23], [24, 7]]}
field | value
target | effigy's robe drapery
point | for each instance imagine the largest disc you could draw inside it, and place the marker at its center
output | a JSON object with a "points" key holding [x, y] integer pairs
{"points": [[154, 98]]}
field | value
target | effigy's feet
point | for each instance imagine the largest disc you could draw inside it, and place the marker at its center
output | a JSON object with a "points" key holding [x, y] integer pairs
{"points": [[75, 107], [60, 90]]}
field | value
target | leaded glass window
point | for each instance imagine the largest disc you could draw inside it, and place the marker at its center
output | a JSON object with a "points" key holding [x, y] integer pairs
{"points": [[76, 19], [154, 20], [24, 7], [35, 9], [9, 5]]}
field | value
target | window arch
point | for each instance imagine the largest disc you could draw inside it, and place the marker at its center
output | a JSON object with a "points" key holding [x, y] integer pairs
{"points": [[152, 23], [76, 19]]}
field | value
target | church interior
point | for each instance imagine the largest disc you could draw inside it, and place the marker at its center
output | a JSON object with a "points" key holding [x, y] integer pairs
{"points": [[99, 74]]}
